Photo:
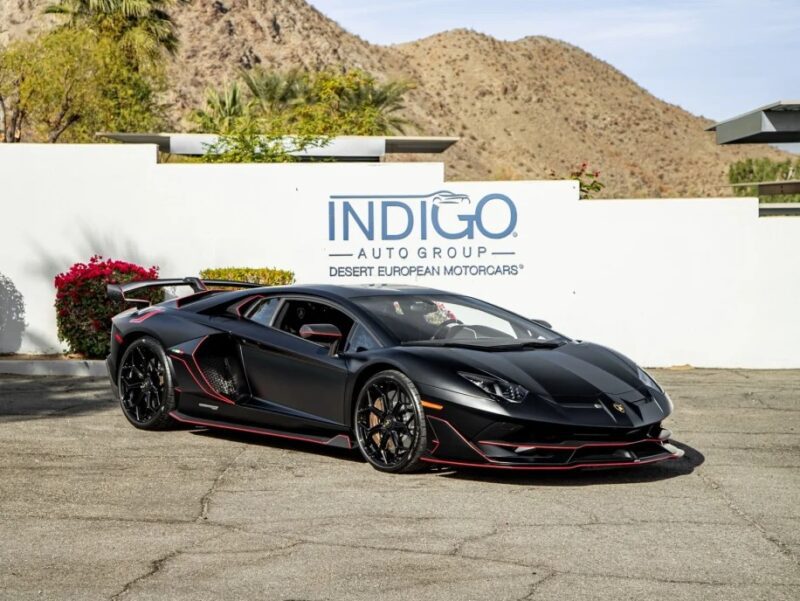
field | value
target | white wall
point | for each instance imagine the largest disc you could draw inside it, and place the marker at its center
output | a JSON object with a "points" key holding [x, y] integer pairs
{"points": [[699, 281]]}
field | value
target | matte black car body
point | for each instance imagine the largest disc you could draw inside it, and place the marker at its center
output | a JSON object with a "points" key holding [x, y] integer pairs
{"points": [[587, 406]]}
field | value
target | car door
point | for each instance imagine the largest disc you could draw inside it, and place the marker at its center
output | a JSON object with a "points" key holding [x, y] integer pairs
{"points": [[293, 378]]}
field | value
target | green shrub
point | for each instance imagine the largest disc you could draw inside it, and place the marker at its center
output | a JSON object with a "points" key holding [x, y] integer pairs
{"points": [[255, 275], [764, 170], [84, 311]]}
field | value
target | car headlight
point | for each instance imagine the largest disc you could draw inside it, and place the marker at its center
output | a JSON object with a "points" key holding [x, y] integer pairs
{"points": [[647, 379], [497, 388]]}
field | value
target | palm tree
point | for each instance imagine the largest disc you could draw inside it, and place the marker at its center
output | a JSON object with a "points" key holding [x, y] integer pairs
{"points": [[385, 100], [274, 91], [143, 27], [223, 111]]}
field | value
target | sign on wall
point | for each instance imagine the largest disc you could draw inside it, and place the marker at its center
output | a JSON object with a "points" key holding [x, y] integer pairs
{"points": [[439, 234]]}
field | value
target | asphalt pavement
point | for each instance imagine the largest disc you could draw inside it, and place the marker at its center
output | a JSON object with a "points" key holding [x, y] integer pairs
{"points": [[91, 508]]}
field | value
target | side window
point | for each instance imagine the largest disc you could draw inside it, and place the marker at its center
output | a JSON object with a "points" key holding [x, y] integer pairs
{"points": [[263, 311], [360, 340], [297, 313]]}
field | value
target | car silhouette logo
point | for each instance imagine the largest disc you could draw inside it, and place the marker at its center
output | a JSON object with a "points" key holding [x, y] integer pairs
{"points": [[445, 197], [619, 407]]}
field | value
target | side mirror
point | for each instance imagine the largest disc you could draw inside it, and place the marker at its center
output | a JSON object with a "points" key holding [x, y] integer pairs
{"points": [[542, 323], [326, 333]]}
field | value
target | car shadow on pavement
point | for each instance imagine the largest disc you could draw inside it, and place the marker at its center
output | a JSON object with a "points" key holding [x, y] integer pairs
{"points": [[653, 472]]}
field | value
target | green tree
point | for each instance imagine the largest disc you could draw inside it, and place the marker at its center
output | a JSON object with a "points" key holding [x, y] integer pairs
{"points": [[143, 28], [382, 102], [282, 113], [764, 170], [70, 83], [348, 103], [223, 110], [275, 91]]}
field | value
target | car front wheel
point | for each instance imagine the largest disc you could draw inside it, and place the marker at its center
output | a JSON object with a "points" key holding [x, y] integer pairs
{"points": [[390, 423]]}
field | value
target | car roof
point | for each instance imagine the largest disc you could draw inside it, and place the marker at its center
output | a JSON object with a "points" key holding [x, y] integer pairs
{"points": [[358, 290], [328, 291]]}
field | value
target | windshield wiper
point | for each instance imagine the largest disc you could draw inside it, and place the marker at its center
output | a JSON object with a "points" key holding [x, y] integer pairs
{"points": [[515, 346], [519, 346], [540, 344]]}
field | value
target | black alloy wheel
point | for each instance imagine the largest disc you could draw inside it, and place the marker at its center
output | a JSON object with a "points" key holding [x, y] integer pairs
{"points": [[145, 385], [390, 423]]}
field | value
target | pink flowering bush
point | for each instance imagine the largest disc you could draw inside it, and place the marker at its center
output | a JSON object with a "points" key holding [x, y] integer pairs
{"points": [[588, 179], [84, 312]]}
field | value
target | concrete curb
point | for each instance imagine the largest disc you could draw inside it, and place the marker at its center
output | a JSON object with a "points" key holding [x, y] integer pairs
{"points": [[54, 367]]}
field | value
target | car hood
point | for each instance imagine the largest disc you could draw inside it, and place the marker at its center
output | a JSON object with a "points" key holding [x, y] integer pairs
{"points": [[569, 383], [572, 371]]}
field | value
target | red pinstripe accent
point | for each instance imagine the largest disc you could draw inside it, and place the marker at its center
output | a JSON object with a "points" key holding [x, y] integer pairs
{"points": [[461, 436], [209, 393], [238, 428], [491, 463], [533, 445], [147, 314], [436, 446], [238, 308], [497, 466], [200, 371]]}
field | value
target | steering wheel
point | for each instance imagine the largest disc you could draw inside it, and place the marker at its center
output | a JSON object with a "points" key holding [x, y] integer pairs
{"points": [[443, 328]]}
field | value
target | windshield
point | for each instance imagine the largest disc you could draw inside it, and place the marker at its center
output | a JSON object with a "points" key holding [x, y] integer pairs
{"points": [[447, 318]]}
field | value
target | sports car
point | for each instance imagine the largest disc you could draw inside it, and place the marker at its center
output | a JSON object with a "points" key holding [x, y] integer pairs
{"points": [[409, 375]]}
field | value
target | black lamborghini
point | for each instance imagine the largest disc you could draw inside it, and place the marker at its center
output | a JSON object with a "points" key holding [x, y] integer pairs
{"points": [[409, 375]]}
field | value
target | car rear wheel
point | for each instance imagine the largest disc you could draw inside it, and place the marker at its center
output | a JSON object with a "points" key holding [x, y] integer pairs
{"points": [[390, 423], [145, 385]]}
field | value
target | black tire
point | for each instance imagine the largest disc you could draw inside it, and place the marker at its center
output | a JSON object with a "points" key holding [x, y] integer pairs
{"points": [[144, 382], [389, 423]]}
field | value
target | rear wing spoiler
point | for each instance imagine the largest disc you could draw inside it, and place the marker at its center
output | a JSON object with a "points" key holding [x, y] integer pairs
{"points": [[120, 292]]}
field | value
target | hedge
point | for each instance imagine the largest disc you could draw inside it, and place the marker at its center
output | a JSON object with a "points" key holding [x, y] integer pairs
{"points": [[255, 275]]}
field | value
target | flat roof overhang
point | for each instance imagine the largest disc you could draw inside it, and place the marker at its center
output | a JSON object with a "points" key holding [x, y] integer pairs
{"points": [[343, 148], [772, 188], [776, 123]]}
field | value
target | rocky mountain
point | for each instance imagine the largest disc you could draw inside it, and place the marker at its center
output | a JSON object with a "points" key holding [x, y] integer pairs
{"points": [[524, 110]]}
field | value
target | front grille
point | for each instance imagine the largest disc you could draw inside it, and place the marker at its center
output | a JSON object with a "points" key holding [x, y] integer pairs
{"points": [[553, 434], [549, 444]]}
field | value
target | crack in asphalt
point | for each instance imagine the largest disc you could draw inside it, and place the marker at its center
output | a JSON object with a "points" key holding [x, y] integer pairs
{"points": [[543, 567], [205, 500], [715, 486], [450, 553], [534, 587], [394, 518], [155, 567], [459, 546], [593, 519], [158, 564]]}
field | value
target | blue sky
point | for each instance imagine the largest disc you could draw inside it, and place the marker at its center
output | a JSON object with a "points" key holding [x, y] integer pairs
{"points": [[716, 58]]}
